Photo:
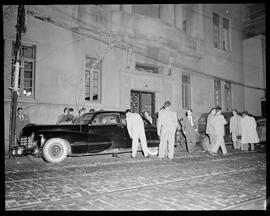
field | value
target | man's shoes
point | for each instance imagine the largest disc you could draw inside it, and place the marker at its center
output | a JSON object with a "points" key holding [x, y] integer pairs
{"points": [[161, 158], [169, 159], [132, 157], [147, 156]]}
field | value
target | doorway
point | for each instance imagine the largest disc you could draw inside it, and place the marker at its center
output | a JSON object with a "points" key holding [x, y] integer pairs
{"points": [[141, 101]]}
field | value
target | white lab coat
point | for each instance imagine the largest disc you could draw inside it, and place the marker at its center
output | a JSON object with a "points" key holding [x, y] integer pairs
{"points": [[248, 130], [135, 127]]}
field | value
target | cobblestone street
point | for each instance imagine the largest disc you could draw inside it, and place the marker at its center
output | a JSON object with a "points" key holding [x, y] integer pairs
{"points": [[200, 182]]}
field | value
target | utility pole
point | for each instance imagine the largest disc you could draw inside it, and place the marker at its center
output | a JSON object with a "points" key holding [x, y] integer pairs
{"points": [[15, 77]]}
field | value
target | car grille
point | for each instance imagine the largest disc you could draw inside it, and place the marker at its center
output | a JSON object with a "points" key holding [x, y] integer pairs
{"points": [[26, 142]]}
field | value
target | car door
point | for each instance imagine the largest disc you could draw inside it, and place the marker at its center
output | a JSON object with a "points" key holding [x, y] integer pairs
{"points": [[108, 126], [150, 133]]}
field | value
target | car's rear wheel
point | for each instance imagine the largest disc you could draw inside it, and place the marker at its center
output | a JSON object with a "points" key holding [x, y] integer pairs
{"points": [[55, 150], [206, 143]]}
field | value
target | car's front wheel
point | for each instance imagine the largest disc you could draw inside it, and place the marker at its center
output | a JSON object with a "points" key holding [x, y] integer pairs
{"points": [[55, 150]]}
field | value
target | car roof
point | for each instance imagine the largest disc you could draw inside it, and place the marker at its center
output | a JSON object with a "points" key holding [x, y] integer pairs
{"points": [[104, 111]]}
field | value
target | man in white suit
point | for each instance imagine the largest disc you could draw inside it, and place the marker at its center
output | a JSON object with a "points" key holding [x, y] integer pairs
{"points": [[249, 133], [135, 127], [166, 128]]}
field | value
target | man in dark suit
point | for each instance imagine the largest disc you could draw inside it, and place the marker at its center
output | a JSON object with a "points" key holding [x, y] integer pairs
{"points": [[21, 121], [190, 129]]}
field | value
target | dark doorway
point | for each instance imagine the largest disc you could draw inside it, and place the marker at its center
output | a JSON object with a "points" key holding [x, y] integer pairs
{"points": [[141, 101]]}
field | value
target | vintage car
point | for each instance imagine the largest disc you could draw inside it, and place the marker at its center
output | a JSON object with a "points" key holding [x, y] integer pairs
{"points": [[203, 138], [93, 133]]}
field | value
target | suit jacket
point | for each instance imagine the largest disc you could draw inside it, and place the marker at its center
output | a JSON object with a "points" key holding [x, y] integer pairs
{"points": [[187, 128], [218, 122], [248, 128], [21, 123], [209, 126], [135, 125], [167, 119]]}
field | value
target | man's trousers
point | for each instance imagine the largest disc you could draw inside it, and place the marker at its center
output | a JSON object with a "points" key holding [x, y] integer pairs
{"points": [[135, 143], [191, 141], [167, 139], [219, 142]]}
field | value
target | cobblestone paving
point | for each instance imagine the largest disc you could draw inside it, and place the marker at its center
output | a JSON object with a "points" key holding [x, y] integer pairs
{"points": [[199, 182]]}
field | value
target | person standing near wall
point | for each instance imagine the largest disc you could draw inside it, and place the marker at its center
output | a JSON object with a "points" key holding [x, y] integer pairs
{"points": [[248, 132], [166, 129], [21, 121], [210, 127], [235, 129], [189, 129], [218, 122], [135, 127]]}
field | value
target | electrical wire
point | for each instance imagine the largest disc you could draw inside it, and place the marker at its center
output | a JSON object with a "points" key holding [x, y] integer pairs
{"points": [[93, 37]]}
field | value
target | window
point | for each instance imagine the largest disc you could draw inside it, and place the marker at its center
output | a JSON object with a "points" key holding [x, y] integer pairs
{"points": [[227, 96], [146, 68], [185, 26], [92, 79], [225, 35], [185, 91], [216, 30], [27, 71], [221, 34], [217, 93], [106, 119]]}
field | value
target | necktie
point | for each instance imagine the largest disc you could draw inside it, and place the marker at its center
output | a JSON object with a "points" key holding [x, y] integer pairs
{"points": [[191, 122]]}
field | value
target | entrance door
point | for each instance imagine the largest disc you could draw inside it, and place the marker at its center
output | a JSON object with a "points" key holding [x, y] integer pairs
{"points": [[142, 101]]}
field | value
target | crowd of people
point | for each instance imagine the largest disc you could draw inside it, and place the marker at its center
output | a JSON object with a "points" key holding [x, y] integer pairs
{"points": [[242, 129], [68, 118]]}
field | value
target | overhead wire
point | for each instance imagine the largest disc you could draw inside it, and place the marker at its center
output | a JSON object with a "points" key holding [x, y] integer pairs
{"points": [[96, 38]]}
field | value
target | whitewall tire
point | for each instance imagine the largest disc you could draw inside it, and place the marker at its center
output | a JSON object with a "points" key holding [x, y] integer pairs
{"points": [[55, 150]]}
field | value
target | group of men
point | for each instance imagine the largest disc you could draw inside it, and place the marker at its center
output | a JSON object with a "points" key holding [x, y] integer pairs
{"points": [[166, 128], [68, 118], [243, 130]]}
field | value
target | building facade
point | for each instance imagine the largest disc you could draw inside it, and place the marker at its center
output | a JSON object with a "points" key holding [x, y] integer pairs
{"points": [[115, 57]]}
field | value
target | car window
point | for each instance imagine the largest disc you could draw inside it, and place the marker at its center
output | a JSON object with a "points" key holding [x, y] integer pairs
{"points": [[84, 119], [105, 119], [123, 119], [202, 119]]}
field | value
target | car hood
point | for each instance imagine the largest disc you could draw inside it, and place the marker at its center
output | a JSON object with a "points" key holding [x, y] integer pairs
{"points": [[29, 129]]}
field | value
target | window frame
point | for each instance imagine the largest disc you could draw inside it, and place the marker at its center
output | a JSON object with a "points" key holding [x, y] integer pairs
{"points": [[217, 93], [23, 59], [186, 86], [87, 70], [220, 32]]}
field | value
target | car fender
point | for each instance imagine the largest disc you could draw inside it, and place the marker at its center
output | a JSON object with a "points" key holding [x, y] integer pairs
{"points": [[74, 138]]}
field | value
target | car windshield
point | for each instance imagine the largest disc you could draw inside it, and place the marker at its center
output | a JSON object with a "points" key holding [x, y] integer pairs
{"points": [[84, 119]]}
